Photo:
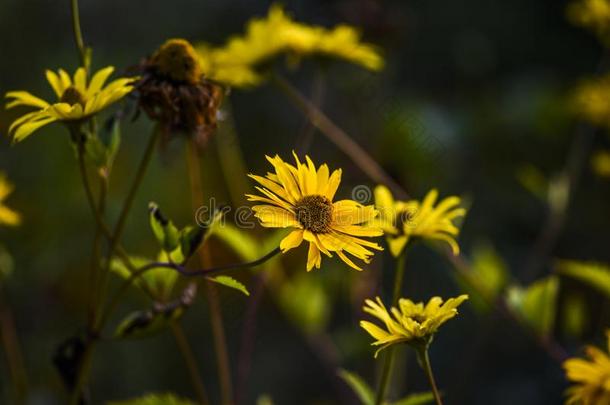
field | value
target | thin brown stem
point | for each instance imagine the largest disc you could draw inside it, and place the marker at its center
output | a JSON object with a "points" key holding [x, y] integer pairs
{"points": [[339, 137], [220, 345], [189, 359]]}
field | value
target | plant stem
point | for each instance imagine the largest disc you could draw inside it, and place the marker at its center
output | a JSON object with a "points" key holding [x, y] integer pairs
{"points": [[388, 360], [96, 252], [78, 35], [84, 367], [339, 137], [115, 237], [425, 363], [220, 345], [12, 351], [189, 358]]}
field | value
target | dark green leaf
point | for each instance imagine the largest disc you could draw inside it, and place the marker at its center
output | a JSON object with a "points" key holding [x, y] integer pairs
{"points": [[595, 275], [230, 282], [419, 398], [359, 386], [165, 231]]}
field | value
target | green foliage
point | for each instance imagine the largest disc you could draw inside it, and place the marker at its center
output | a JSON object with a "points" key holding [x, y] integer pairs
{"points": [[367, 395], [157, 282], [242, 243], [305, 302], [164, 230], [230, 282], [595, 275], [489, 273], [155, 399], [103, 152], [537, 303], [359, 386], [575, 316]]}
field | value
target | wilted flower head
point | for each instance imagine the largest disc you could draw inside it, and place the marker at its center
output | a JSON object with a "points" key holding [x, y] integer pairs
{"points": [[591, 14], [77, 99], [174, 91], [301, 197], [591, 377], [237, 62], [404, 220], [7, 215], [591, 100], [412, 323]]}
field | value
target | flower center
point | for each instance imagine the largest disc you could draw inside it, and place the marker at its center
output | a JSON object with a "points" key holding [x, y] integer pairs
{"points": [[315, 213], [72, 96], [177, 59], [418, 318]]}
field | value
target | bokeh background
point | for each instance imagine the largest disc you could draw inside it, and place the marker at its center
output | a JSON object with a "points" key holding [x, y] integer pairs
{"points": [[472, 93]]}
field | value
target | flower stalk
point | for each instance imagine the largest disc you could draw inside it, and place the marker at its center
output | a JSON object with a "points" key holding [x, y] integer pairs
{"points": [[424, 361]]}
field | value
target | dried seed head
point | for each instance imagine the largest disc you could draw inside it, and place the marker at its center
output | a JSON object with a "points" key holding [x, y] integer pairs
{"points": [[177, 59]]}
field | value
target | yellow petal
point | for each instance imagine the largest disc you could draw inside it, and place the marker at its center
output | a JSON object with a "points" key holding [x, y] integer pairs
{"points": [[313, 257], [9, 217], [80, 80], [293, 240], [55, 83], [98, 80], [25, 98], [27, 128]]}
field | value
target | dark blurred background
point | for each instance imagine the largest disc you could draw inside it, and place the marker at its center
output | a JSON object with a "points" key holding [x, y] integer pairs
{"points": [[472, 92]]}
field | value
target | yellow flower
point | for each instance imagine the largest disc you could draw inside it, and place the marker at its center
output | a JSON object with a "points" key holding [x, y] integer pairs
{"points": [[592, 14], [301, 197], [591, 377], [591, 100], [600, 162], [77, 99], [236, 63], [409, 323], [403, 220], [7, 215]]}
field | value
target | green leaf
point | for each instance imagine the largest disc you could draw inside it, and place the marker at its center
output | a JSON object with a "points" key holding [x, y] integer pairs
{"points": [[140, 324], [190, 239], [158, 282], [595, 275], [575, 316], [230, 282], [489, 273], [242, 243], [537, 303], [305, 303], [165, 231], [419, 398], [154, 399], [358, 385]]}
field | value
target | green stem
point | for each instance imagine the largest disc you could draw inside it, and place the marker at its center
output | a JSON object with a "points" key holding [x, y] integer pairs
{"points": [[189, 358], [115, 237], [220, 344], [388, 360], [424, 360], [78, 35], [84, 367]]}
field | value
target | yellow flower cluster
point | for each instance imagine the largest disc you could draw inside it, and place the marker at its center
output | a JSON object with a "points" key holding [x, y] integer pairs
{"points": [[591, 101], [403, 220], [77, 99], [413, 323], [301, 197], [236, 63], [591, 377], [592, 14], [7, 215]]}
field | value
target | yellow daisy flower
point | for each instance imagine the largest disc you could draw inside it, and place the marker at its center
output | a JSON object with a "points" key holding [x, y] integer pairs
{"points": [[301, 197], [592, 14], [236, 63], [591, 100], [7, 215], [403, 220], [410, 323], [591, 377], [77, 99]]}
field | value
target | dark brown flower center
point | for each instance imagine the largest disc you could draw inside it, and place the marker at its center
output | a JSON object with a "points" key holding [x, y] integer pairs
{"points": [[178, 60], [72, 96], [419, 318], [315, 213]]}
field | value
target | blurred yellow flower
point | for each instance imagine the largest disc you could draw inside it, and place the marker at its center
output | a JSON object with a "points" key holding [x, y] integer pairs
{"points": [[77, 99], [600, 163], [412, 323], [591, 100], [301, 197], [236, 63], [7, 215], [403, 220], [592, 14], [591, 377]]}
